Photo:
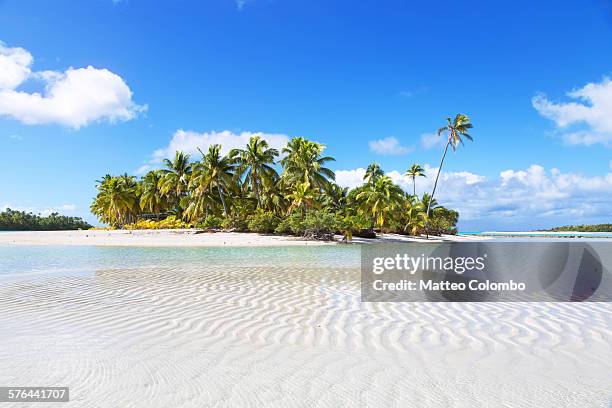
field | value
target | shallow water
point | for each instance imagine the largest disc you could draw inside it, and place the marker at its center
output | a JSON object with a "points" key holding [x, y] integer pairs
{"points": [[279, 327], [36, 260]]}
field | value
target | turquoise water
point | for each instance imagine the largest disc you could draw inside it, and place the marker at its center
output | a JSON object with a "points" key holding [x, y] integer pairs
{"points": [[21, 260], [538, 234]]}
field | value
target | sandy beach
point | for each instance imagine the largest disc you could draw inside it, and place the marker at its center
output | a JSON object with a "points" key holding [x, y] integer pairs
{"points": [[185, 238], [264, 327]]}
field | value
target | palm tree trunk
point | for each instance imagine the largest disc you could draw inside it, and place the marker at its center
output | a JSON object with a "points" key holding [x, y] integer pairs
{"points": [[255, 188], [414, 186], [222, 200], [434, 188]]}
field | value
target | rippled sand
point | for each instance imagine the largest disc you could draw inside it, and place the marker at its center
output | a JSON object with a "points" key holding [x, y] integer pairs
{"points": [[292, 337]]}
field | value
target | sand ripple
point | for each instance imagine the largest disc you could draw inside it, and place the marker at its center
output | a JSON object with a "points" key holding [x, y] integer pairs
{"points": [[293, 337]]}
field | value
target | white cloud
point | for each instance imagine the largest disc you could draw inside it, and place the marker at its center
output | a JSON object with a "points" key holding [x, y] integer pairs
{"points": [[431, 140], [73, 98], [517, 199], [591, 113], [389, 146], [143, 169], [350, 178], [188, 142], [14, 66]]}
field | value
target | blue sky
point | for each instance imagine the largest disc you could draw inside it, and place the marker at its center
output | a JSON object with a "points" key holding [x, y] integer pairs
{"points": [[369, 79]]}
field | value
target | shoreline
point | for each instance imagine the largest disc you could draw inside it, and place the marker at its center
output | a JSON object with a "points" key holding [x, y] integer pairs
{"points": [[191, 238]]}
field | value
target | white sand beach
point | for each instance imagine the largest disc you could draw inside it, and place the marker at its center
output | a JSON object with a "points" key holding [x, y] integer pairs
{"points": [[185, 238], [293, 335]]}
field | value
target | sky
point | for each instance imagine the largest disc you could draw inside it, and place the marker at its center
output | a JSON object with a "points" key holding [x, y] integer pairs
{"points": [[101, 86]]}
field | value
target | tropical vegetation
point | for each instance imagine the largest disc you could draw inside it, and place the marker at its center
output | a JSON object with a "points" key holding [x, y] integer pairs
{"points": [[259, 189], [12, 220], [582, 228]]}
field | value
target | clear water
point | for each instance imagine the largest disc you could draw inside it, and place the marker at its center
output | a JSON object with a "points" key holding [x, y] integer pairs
{"points": [[21, 260], [538, 234]]}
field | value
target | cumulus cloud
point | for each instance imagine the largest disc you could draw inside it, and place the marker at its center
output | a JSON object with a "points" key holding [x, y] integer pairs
{"points": [[350, 178], [517, 199], [188, 142], [73, 98], [585, 121], [389, 146], [431, 140]]}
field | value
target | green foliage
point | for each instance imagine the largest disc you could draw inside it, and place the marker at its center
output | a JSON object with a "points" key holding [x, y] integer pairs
{"points": [[315, 224], [263, 222], [242, 191], [443, 221], [235, 223], [583, 228], [319, 224], [291, 224], [212, 221], [11, 220]]}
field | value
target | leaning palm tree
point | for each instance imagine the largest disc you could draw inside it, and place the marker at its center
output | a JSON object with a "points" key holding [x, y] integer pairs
{"points": [[456, 130], [413, 172], [255, 165]]}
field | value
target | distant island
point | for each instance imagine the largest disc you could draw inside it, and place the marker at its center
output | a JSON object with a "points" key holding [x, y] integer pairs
{"points": [[582, 228], [11, 220]]}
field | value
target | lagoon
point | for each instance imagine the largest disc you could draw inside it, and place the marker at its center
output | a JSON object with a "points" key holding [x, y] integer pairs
{"points": [[249, 327]]}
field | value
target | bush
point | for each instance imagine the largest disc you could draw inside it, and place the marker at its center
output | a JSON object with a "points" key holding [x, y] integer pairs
{"points": [[443, 221], [263, 222], [210, 222], [234, 222], [292, 224], [320, 225], [317, 224], [353, 225], [169, 223]]}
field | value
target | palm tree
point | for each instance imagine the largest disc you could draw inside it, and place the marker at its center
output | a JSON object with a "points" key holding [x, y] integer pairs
{"points": [[255, 164], [414, 215], [429, 202], [117, 201], [380, 199], [373, 173], [303, 163], [151, 197], [213, 172], [456, 129], [175, 177], [335, 198], [413, 172], [302, 197]]}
